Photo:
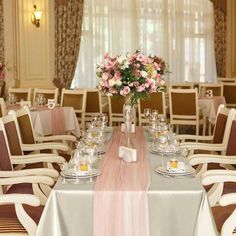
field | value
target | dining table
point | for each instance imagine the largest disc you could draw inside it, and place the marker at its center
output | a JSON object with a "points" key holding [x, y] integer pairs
{"points": [[209, 106], [45, 121], [176, 204]]}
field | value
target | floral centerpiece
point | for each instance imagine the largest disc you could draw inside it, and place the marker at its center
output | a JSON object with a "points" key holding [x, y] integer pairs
{"points": [[2, 71], [133, 76]]}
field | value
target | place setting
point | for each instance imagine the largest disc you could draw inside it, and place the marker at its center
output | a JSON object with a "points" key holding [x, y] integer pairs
{"points": [[82, 167], [165, 145]]}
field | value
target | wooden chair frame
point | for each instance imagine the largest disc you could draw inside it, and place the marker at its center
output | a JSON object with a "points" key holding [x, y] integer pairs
{"points": [[35, 177], [2, 107]]}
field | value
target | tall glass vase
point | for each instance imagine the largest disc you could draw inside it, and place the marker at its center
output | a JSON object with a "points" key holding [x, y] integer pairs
{"points": [[129, 118]]}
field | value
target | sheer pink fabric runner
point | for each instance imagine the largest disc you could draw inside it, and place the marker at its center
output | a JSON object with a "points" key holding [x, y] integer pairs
{"points": [[58, 121], [120, 198]]}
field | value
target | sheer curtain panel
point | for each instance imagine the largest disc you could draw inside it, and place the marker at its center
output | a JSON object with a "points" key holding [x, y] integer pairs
{"points": [[179, 31]]}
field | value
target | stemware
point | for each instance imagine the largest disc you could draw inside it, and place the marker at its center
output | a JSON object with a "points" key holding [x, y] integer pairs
{"points": [[147, 112]]}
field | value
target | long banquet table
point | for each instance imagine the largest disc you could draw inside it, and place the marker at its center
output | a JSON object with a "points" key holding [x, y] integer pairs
{"points": [[177, 206]]}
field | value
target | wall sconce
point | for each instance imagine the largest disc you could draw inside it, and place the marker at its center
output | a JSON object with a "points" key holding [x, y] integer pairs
{"points": [[36, 16]]}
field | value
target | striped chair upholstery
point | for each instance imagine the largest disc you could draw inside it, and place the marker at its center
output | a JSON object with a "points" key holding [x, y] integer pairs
{"points": [[9, 222]]}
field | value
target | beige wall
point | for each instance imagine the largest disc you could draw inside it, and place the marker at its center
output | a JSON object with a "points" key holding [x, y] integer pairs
{"points": [[29, 50]]}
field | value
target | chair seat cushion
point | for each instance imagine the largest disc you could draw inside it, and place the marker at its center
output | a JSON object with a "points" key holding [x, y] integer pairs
{"points": [[221, 214], [9, 222]]}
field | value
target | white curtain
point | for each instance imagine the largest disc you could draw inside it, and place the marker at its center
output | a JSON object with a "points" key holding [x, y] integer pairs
{"points": [[179, 31]]}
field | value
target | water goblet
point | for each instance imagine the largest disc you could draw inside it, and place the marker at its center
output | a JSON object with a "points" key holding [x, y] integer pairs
{"points": [[147, 112]]}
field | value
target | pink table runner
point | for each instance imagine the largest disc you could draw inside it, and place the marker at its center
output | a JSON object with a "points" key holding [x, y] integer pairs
{"points": [[120, 198], [58, 121]]}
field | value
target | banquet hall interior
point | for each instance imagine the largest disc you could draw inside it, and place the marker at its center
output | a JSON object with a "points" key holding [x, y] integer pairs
{"points": [[118, 118]]}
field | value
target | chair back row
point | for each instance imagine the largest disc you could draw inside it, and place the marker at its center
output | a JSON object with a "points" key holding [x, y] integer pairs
{"points": [[25, 94]]}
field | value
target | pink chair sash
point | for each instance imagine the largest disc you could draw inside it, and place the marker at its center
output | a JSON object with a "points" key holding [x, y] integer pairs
{"points": [[120, 198]]}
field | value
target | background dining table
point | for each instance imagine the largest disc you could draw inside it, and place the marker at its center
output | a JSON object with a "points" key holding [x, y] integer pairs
{"points": [[42, 119], [209, 106], [177, 205]]}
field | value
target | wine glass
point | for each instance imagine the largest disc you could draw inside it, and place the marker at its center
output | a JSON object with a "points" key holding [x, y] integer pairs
{"points": [[162, 119], [147, 112]]}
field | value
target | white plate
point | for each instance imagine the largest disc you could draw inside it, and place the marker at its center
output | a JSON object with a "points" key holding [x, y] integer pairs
{"points": [[162, 170], [85, 174], [158, 151]]}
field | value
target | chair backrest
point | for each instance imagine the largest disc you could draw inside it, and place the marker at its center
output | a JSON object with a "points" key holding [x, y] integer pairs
{"points": [[220, 124], [217, 89], [47, 94], [2, 87], [183, 103], [227, 80], [231, 142], [115, 104], [21, 93], [76, 99], [156, 101], [187, 85], [5, 161], [2, 107], [229, 91], [25, 126], [93, 101], [13, 133]]}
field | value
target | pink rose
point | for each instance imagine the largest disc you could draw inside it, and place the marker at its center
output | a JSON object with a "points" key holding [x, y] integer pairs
{"points": [[125, 91], [105, 76], [117, 75], [106, 55], [141, 88], [153, 88], [141, 58], [109, 64]]}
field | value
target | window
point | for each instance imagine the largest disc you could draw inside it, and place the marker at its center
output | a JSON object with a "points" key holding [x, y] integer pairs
{"points": [[181, 32]]}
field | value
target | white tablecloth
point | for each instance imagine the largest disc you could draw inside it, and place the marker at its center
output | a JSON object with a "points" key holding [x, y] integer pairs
{"points": [[42, 122], [210, 106], [177, 206]]}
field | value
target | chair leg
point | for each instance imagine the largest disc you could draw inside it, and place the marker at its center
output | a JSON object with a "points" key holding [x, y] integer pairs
{"points": [[177, 129], [204, 126], [197, 129]]}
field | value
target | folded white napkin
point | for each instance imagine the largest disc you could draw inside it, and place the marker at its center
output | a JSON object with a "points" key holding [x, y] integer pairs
{"points": [[128, 154], [51, 103], [179, 169], [25, 103], [132, 128]]}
